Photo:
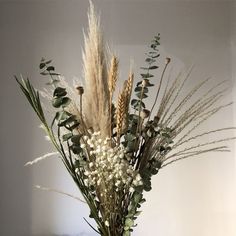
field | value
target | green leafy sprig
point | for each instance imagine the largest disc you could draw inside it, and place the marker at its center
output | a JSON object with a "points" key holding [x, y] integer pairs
{"points": [[63, 119]]}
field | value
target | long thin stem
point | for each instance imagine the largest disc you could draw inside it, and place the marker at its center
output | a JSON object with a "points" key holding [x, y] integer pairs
{"points": [[159, 87], [138, 129], [199, 145], [192, 155], [60, 192]]}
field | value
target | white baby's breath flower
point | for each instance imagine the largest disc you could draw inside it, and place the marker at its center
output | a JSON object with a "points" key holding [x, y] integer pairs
{"points": [[86, 182], [140, 183], [96, 133], [110, 168], [89, 142], [107, 223], [138, 177], [100, 140], [131, 189]]}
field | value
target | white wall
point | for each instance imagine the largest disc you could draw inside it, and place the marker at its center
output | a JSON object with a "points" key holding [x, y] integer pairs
{"points": [[194, 197], [233, 47]]}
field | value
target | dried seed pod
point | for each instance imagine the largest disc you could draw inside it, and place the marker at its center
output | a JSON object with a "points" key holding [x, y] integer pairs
{"points": [[168, 60], [80, 90]]}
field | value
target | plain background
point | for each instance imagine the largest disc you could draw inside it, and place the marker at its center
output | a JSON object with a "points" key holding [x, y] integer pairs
{"points": [[195, 197]]}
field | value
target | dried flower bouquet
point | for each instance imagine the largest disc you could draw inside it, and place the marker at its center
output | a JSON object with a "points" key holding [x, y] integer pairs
{"points": [[112, 149]]}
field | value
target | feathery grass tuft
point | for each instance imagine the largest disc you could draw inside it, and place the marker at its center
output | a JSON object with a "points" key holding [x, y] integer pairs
{"points": [[96, 105]]}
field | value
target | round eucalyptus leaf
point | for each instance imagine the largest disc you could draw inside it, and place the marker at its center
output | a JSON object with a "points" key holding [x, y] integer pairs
{"points": [[59, 92]]}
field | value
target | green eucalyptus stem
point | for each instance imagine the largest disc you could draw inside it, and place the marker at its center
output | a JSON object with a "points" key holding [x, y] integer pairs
{"points": [[139, 121]]}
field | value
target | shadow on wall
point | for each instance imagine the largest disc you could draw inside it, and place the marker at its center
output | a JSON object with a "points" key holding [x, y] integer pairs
{"points": [[15, 179]]}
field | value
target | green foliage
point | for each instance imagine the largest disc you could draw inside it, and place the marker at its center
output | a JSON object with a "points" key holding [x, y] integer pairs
{"points": [[76, 139], [60, 102], [138, 134], [46, 68], [129, 142], [152, 131], [141, 89], [66, 137], [59, 92], [137, 103], [132, 213]]}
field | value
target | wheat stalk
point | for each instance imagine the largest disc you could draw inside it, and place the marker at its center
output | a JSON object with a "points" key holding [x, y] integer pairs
{"points": [[193, 114], [180, 142], [120, 114], [184, 101], [173, 93], [198, 146], [221, 148], [201, 105], [202, 120], [113, 75], [160, 85], [112, 79], [127, 91], [129, 86]]}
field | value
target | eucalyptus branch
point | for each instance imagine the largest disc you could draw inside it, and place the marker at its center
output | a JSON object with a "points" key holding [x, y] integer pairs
{"points": [[139, 125]]}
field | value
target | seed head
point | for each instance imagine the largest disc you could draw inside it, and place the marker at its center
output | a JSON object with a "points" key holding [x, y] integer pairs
{"points": [[80, 90]]}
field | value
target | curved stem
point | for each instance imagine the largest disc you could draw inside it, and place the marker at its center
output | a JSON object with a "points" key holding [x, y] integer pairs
{"points": [[159, 88]]}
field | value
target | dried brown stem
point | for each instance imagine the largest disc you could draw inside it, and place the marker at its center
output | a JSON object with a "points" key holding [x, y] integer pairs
{"points": [[222, 148], [159, 87]]}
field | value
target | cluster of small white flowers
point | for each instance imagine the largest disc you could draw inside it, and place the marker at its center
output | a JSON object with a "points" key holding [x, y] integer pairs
{"points": [[110, 167]]}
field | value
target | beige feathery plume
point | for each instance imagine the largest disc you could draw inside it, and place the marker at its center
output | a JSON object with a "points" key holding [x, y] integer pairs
{"points": [[38, 159], [96, 107], [58, 191]]}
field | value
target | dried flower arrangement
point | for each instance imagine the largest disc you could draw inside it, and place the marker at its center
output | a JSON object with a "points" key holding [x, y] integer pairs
{"points": [[112, 149]]}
